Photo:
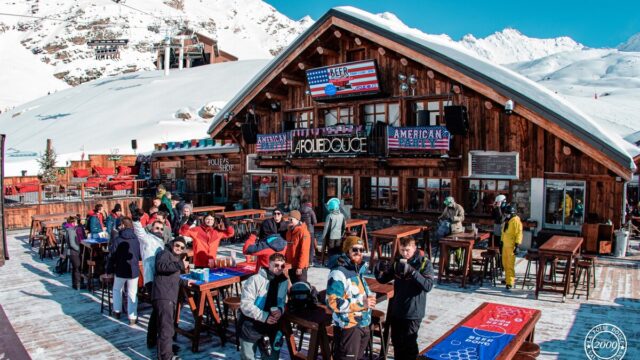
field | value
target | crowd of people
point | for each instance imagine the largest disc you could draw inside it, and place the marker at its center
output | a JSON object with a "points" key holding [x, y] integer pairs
{"points": [[160, 239]]}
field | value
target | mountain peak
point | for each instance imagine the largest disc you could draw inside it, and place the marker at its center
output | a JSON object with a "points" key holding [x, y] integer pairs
{"points": [[633, 44]]}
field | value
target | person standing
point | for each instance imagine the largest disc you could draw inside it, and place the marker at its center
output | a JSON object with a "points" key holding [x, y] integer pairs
{"points": [[334, 228], [274, 225], [511, 239], [123, 263], [262, 249], [497, 213], [454, 214], [166, 285], [206, 238], [96, 221], [350, 301], [113, 221], [261, 306], [297, 254], [309, 219], [73, 241], [161, 217], [413, 278]]}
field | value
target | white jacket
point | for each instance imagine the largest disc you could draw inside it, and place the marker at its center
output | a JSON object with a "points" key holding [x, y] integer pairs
{"points": [[254, 296], [150, 245]]}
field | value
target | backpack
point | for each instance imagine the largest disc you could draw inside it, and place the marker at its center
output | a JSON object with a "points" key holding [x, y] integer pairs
{"points": [[62, 265], [302, 296]]}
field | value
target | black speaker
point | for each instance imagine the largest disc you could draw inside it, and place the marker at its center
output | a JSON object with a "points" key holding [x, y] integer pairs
{"points": [[134, 144], [456, 119], [288, 125], [250, 133], [422, 118]]}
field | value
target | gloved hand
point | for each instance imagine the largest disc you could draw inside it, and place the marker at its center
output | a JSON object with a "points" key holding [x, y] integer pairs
{"points": [[515, 250], [403, 268], [225, 221], [191, 220], [133, 206], [382, 266]]}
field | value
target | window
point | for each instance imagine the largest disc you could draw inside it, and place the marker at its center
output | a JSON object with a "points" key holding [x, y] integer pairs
{"points": [[340, 115], [434, 109], [388, 113], [294, 189], [302, 119], [428, 194], [480, 195], [564, 204], [379, 193]]}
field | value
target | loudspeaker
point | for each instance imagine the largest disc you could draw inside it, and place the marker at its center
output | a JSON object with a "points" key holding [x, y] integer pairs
{"points": [[456, 119], [134, 144], [250, 133], [422, 118], [288, 125]]}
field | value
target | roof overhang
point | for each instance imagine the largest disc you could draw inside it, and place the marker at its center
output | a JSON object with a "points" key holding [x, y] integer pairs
{"points": [[225, 149]]}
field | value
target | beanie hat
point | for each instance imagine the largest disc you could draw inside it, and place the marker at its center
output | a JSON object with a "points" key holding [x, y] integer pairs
{"points": [[350, 241], [295, 214], [333, 204]]}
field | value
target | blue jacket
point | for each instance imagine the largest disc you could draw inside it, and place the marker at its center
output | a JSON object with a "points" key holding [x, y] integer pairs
{"points": [[347, 293], [124, 255], [94, 224], [111, 223]]}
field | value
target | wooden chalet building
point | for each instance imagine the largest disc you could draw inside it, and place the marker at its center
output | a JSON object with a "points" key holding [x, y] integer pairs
{"points": [[392, 123]]}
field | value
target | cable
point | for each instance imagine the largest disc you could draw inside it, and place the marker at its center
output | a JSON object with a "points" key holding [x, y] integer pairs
{"points": [[38, 17]]}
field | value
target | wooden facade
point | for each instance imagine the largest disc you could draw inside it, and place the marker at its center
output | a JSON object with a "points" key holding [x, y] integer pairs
{"points": [[206, 53], [549, 154]]}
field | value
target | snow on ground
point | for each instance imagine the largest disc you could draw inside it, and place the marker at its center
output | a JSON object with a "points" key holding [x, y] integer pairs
{"points": [[108, 113]]}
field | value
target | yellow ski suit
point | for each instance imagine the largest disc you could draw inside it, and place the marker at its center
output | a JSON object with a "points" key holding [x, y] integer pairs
{"points": [[511, 237]]}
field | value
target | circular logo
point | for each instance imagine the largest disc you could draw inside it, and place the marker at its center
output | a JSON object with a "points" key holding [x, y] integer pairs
{"points": [[605, 341], [330, 90]]}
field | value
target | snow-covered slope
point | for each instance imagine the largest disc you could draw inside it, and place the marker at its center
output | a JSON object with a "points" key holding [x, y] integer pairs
{"points": [[248, 29], [108, 113]]}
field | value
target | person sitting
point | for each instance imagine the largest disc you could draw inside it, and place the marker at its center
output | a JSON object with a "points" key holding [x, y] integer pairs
{"points": [[261, 307], [454, 214], [124, 256], [206, 238]]}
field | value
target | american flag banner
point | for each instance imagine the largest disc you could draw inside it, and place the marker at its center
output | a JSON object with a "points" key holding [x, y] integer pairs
{"points": [[356, 78], [274, 142], [418, 138]]}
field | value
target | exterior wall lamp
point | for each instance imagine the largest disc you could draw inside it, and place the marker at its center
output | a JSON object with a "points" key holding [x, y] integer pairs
{"points": [[508, 107]]}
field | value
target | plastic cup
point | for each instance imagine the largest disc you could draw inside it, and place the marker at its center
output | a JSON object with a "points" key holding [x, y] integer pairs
{"points": [[274, 310], [404, 261]]}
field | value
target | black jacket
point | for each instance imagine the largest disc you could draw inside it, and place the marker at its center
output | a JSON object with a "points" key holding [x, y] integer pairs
{"points": [[166, 283], [308, 216], [270, 227], [410, 290], [124, 255]]}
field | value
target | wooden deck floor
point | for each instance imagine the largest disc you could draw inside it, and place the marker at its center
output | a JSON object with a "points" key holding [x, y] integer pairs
{"points": [[56, 322]]}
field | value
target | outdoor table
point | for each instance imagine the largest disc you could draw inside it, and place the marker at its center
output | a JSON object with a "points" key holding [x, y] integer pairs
{"points": [[383, 292], [394, 234], [206, 209], [316, 322], [243, 213], [88, 246], [37, 219], [463, 241], [491, 331], [351, 223], [566, 247], [203, 293]]}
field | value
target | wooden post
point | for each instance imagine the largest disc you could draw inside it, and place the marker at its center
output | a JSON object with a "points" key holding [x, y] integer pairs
{"points": [[82, 192]]}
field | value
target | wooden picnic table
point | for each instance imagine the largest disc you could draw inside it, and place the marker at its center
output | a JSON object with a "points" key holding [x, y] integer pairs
{"points": [[243, 213], [559, 247], [491, 331], [203, 293], [351, 223], [36, 221], [209, 208], [464, 241], [394, 234]]}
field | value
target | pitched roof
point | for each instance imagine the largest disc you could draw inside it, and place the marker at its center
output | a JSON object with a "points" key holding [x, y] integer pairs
{"points": [[523, 91]]}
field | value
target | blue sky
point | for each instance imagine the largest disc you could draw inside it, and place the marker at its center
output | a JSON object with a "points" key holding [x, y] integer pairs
{"points": [[593, 23]]}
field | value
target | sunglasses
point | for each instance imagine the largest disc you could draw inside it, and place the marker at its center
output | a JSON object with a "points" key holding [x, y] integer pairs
{"points": [[277, 213], [357, 250], [181, 247], [279, 266], [158, 229]]}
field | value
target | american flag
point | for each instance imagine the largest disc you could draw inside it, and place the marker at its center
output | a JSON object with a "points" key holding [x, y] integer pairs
{"points": [[350, 78], [273, 142], [418, 138]]}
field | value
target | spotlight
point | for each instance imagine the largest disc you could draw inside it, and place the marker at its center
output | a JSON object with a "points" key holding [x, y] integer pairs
{"points": [[307, 92], [508, 107], [413, 80], [404, 87], [275, 106], [402, 77]]}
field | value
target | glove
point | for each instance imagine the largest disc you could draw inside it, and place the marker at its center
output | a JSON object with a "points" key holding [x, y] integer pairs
{"points": [[515, 250], [191, 220], [382, 267], [225, 221], [403, 269], [133, 207]]}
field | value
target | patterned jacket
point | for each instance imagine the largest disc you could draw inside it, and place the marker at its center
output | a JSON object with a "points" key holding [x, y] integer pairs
{"points": [[347, 293]]}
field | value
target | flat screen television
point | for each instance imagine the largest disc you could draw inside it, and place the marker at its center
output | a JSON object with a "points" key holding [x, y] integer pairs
{"points": [[339, 81]]}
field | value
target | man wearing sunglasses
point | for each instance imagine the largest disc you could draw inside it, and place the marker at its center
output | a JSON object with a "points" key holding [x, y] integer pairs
{"points": [[261, 305], [350, 301], [275, 225], [413, 279], [169, 266]]}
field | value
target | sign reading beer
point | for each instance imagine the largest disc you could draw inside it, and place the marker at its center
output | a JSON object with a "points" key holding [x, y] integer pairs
{"points": [[273, 142], [418, 138], [343, 80], [328, 145]]}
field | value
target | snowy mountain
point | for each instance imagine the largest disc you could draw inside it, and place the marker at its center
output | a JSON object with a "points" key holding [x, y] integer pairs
{"points": [[248, 29], [633, 44]]}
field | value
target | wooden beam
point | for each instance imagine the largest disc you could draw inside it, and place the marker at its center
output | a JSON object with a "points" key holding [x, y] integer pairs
{"points": [[326, 52], [382, 51], [289, 81], [303, 66], [275, 96], [337, 34]]}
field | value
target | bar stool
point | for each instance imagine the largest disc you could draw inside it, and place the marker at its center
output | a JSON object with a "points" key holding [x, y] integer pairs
{"points": [[233, 303], [89, 276], [530, 349], [593, 259], [377, 327], [583, 266], [531, 257], [106, 288], [489, 265]]}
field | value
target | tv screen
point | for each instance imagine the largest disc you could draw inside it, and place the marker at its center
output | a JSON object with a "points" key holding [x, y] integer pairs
{"points": [[343, 80]]}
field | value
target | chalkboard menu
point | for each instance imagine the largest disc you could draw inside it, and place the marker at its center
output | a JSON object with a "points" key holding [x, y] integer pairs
{"points": [[493, 165]]}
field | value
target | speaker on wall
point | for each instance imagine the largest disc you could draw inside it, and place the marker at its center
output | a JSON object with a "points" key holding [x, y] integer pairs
{"points": [[456, 119], [250, 132], [422, 118], [134, 144]]}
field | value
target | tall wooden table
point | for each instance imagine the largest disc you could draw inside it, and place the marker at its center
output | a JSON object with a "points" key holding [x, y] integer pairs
{"points": [[351, 223], [394, 234], [200, 295], [383, 292], [563, 247], [491, 331], [210, 208], [464, 241], [250, 213], [36, 221]]}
